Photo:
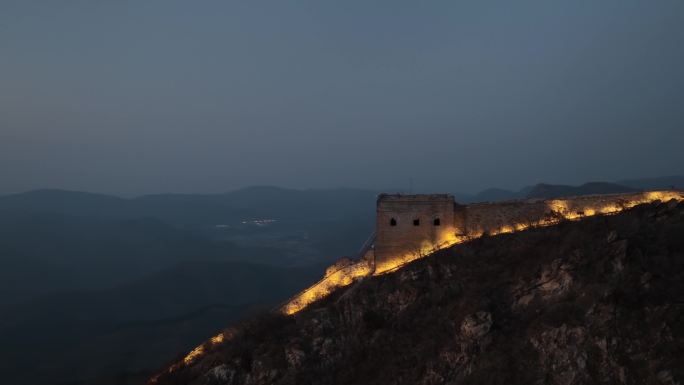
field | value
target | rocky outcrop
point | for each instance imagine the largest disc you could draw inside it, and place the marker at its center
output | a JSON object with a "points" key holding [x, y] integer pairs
{"points": [[476, 325], [600, 300]]}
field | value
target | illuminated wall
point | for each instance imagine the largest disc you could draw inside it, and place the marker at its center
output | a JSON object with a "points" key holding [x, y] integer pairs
{"points": [[410, 224], [399, 242], [507, 217], [397, 245]]}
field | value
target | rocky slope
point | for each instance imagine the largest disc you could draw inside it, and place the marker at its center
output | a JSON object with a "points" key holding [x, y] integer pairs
{"points": [[595, 301]]}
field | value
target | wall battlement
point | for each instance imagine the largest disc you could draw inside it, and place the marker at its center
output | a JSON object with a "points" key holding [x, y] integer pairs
{"points": [[409, 227]]}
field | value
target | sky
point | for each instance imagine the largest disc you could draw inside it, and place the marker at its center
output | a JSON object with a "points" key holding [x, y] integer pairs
{"points": [[135, 97]]}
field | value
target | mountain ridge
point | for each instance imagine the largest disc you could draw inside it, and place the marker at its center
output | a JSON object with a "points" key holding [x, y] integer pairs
{"points": [[579, 302], [257, 193]]}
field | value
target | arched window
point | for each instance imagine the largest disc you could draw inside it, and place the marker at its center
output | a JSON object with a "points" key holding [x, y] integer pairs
{"points": [[436, 222], [393, 222], [416, 222]]}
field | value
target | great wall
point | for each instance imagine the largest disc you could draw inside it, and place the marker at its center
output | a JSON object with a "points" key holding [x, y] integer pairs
{"points": [[410, 227]]}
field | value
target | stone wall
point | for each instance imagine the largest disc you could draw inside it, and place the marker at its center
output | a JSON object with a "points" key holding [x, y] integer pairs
{"points": [[395, 246], [505, 217], [491, 218], [400, 241], [407, 224]]}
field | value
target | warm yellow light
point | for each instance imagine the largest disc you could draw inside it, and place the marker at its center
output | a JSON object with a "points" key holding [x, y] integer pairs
{"points": [[199, 351], [560, 208], [217, 339], [345, 275], [332, 281], [521, 226], [446, 239], [194, 353]]}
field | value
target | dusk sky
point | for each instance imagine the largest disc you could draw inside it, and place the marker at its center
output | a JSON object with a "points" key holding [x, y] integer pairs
{"points": [[133, 97]]}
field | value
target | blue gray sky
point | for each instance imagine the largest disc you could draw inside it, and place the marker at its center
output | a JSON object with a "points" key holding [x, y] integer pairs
{"points": [[133, 97]]}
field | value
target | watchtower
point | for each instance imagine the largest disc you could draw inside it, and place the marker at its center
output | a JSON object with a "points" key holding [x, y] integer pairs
{"points": [[411, 224]]}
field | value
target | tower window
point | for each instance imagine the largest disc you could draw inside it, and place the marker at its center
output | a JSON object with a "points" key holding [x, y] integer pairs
{"points": [[436, 222], [393, 222], [416, 222]]}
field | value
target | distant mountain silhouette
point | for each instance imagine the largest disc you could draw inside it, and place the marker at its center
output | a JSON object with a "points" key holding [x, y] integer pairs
{"points": [[547, 191], [201, 209], [659, 183], [197, 210], [43, 252], [66, 202], [53, 240]]}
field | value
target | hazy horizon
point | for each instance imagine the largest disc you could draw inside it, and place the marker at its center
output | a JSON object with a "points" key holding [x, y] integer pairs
{"points": [[132, 131], [409, 188], [170, 96]]}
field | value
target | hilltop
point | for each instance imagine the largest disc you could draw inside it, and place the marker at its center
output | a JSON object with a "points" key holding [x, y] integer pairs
{"points": [[597, 300]]}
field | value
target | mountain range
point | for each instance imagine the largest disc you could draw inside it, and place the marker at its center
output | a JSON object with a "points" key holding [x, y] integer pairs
{"points": [[109, 288]]}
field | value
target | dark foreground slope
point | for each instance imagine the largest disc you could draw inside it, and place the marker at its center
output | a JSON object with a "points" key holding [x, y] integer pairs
{"points": [[596, 301]]}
